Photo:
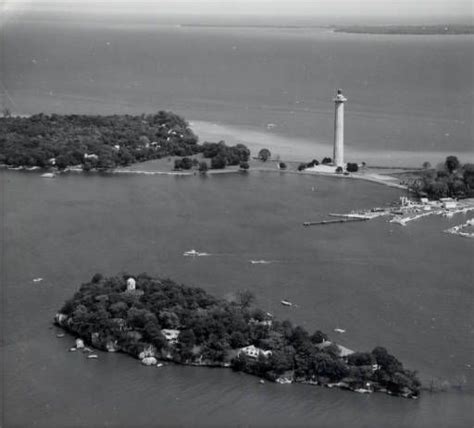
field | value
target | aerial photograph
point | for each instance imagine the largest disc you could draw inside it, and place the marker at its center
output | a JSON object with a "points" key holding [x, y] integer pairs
{"points": [[237, 213]]}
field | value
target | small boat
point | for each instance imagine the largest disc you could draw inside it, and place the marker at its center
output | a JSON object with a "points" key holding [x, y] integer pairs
{"points": [[72, 349], [160, 365], [261, 381], [339, 330], [194, 253], [92, 357], [37, 279], [286, 303], [60, 335], [48, 175], [260, 262]]}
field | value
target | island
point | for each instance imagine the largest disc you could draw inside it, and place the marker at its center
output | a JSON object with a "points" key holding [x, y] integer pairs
{"points": [[155, 319], [85, 142]]}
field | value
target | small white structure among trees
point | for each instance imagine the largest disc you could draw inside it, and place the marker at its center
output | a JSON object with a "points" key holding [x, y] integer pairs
{"points": [[131, 284], [254, 352]]}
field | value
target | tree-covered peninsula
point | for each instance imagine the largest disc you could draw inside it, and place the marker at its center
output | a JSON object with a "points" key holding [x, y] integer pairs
{"points": [[157, 319], [105, 142], [448, 179]]}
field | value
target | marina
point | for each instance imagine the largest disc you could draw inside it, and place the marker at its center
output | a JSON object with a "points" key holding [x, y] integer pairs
{"points": [[465, 230], [406, 211]]}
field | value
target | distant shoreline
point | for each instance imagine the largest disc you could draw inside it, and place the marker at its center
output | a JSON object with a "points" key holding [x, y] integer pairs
{"points": [[401, 30]]}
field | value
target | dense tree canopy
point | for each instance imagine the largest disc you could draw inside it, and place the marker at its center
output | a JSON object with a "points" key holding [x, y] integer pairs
{"points": [[212, 331], [451, 179], [105, 142]]}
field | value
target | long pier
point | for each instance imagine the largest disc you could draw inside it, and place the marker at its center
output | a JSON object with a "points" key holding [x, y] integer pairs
{"points": [[333, 221]]}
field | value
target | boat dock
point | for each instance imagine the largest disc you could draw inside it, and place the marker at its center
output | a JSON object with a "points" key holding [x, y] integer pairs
{"points": [[335, 220]]}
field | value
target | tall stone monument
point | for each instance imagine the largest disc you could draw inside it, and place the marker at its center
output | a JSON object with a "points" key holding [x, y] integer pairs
{"points": [[338, 155]]}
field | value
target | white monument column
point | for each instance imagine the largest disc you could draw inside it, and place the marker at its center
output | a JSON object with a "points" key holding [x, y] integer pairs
{"points": [[339, 100]]}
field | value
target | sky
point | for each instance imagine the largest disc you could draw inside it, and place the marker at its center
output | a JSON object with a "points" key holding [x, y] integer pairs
{"points": [[323, 8]]}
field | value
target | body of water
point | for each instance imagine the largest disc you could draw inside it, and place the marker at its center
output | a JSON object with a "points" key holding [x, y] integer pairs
{"points": [[409, 289], [406, 288], [406, 93]]}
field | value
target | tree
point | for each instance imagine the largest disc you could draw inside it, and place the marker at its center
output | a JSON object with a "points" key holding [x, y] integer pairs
{"points": [[243, 152], [168, 319], [187, 340], [218, 162], [361, 359], [264, 155], [339, 170], [452, 163], [237, 340], [426, 165], [244, 165], [97, 278], [326, 161], [282, 165], [245, 298], [388, 362], [438, 189], [203, 167], [186, 163], [352, 167], [468, 176], [125, 156], [318, 337], [64, 160], [178, 164], [301, 167]]}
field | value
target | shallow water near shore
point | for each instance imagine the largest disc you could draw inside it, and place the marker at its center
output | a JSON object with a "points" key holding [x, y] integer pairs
{"points": [[404, 288]]}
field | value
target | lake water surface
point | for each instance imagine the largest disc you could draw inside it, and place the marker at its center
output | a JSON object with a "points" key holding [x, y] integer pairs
{"points": [[409, 289]]}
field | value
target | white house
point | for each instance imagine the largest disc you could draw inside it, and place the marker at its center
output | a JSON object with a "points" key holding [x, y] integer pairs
{"points": [[264, 323], [449, 205], [131, 284], [91, 156], [171, 335], [253, 352]]}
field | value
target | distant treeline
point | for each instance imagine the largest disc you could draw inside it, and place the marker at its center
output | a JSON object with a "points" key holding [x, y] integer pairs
{"points": [[407, 29], [213, 331], [101, 142]]}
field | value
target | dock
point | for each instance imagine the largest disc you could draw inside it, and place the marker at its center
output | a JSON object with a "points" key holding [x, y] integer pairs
{"points": [[335, 220]]}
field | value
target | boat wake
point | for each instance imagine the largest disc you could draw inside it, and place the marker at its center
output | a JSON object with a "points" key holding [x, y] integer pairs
{"points": [[194, 253]]}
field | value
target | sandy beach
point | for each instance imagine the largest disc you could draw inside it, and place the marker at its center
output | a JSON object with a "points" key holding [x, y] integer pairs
{"points": [[303, 150]]}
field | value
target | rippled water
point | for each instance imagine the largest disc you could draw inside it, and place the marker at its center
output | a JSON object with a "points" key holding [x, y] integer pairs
{"points": [[406, 93], [408, 289]]}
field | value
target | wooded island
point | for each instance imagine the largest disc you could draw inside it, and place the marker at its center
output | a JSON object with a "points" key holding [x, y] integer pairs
{"points": [[157, 319]]}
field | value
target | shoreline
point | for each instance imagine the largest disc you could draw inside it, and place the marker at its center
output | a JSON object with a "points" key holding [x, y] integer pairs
{"points": [[355, 176], [370, 387]]}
